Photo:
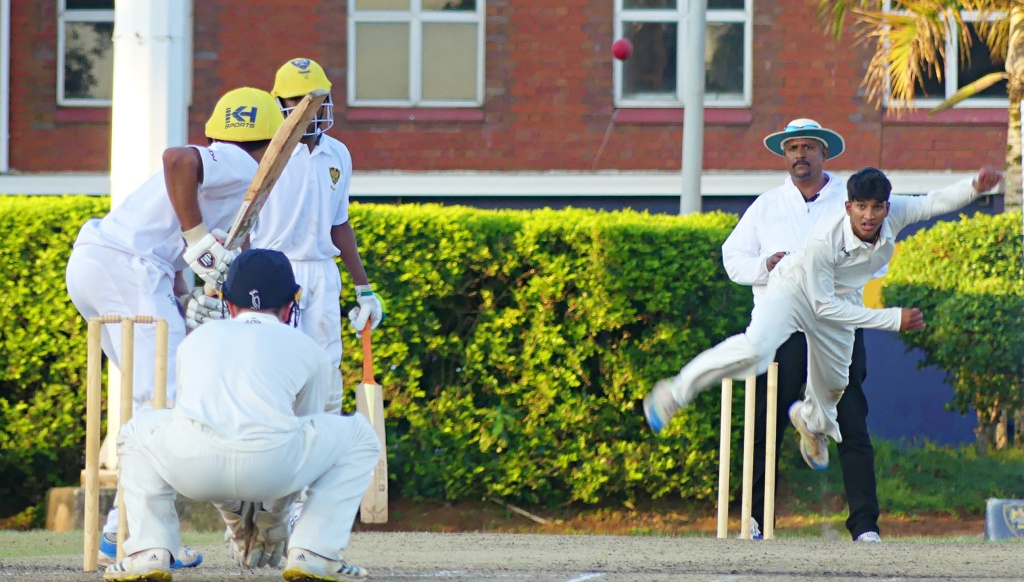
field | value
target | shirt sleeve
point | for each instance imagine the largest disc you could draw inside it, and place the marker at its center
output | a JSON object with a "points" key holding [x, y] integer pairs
{"points": [[341, 207], [905, 210], [741, 252], [819, 270]]}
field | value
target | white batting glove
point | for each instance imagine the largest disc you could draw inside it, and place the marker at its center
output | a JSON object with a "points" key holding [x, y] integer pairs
{"points": [[271, 536], [370, 308], [207, 256], [200, 308]]}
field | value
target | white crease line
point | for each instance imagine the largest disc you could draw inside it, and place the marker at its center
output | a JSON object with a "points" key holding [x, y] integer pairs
{"points": [[586, 577]]}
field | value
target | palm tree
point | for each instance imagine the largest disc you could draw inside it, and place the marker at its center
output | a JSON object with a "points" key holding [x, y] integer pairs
{"points": [[910, 44], [910, 37]]}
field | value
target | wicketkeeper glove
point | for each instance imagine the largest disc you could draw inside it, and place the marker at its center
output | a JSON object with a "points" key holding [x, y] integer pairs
{"points": [[238, 517], [370, 308], [271, 536], [200, 308], [207, 256]]}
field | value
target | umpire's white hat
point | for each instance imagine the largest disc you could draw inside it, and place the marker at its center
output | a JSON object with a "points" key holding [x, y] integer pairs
{"points": [[805, 128]]}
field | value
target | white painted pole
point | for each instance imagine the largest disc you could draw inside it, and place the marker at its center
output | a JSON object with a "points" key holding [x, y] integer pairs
{"points": [[5, 82], [152, 59], [693, 112]]}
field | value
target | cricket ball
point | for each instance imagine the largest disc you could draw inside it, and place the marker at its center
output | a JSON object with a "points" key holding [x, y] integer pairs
{"points": [[622, 49]]}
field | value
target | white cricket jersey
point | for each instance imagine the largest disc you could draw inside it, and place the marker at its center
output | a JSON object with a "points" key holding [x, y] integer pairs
{"points": [[778, 220], [310, 197], [250, 378], [146, 225], [834, 264]]}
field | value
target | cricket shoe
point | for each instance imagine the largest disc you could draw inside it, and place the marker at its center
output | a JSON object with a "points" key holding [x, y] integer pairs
{"points": [[869, 536], [755, 530], [152, 565], [813, 445], [306, 566], [660, 405], [107, 554]]}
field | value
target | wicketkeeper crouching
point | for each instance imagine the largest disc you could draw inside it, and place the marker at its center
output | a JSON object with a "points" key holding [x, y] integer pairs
{"points": [[249, 433]]}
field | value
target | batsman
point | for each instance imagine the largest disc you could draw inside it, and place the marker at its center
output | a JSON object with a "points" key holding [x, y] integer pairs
{"points": [[249, 424], [130, 261]]}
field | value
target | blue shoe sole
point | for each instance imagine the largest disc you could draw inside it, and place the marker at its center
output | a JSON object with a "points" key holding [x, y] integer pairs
{"points": [[810, 462], [652, 421], [177, 563]]}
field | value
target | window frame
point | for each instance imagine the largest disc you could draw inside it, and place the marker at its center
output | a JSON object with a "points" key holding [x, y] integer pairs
{"points": [[416, 17], [950, 75], [678, 16], [65, 16]]}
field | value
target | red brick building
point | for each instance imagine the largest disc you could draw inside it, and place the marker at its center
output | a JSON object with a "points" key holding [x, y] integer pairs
{"points": [[518, 86]]}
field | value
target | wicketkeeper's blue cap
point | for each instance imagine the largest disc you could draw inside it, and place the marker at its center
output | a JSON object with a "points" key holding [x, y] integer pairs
{"points": [[260, 279]]}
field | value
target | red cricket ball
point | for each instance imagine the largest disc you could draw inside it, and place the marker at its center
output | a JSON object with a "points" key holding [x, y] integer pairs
{"points": [[622, 49]]}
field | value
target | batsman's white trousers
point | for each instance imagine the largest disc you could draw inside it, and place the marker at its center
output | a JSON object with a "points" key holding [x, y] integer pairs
{"points": [[104, 281], [163, 453], [320, 304], [782, 310]]}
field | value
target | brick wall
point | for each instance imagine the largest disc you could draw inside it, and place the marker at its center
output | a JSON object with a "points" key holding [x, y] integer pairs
{"points": [[548, 95]]}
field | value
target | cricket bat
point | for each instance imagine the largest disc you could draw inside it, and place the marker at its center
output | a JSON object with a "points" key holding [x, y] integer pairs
{"points": [[272, 164], [370, 403]]}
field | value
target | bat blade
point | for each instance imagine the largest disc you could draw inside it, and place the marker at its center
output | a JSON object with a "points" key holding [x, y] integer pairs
{"points": [[272, 164], [370, 403]]}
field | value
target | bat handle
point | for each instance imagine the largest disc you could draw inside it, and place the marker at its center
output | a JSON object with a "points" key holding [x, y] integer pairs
{"points": [[367, 356]]}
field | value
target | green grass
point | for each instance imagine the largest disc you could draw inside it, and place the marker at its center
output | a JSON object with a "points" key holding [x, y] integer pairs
{"points": [[918, 478], [33, 543]]}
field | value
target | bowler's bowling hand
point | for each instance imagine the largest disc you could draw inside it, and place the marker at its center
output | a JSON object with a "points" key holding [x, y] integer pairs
{"points": [[987, 179], [773, 260], [911, 319]]}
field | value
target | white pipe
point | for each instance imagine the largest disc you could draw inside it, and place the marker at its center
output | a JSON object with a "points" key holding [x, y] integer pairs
{"points": [[5, 82], [693, 112]]}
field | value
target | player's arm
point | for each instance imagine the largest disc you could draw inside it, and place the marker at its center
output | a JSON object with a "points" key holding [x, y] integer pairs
{"points": [[344, 239], [183, 173], [909, 209], [745, 261], [819, 271]]}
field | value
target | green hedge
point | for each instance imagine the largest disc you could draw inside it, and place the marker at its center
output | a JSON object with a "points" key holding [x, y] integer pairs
{"points": [[516, 348], [42, 350], [967, 278]]}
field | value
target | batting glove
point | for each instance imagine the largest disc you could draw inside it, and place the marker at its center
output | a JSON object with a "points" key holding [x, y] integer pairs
{"points": [[200, 308], [207, 256], [370, 308]]}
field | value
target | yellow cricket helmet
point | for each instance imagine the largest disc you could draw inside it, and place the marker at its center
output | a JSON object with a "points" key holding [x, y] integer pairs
{"points": [[244, 114], [295, 79]]}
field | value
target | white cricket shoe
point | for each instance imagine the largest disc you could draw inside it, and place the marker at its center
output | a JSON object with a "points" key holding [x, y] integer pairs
{"points": [[869, 536], [813, 445], [152, 565], [306, 566]]}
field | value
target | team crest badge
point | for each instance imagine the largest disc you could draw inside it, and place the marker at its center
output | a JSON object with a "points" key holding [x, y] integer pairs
{"points": [[1013, 514], [302, 64], [335, 175]]}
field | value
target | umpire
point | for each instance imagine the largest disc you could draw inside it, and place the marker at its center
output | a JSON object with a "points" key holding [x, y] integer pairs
{"points": [[776, 224]]}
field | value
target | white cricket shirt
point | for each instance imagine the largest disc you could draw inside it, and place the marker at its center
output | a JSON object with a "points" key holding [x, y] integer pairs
{"points": [[310, 198], [778, 220], [250, 378], [145, 224], [834, 264]]}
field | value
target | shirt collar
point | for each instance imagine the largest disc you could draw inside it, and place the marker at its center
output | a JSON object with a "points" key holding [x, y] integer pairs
{"points": [[827, 190], [852, 241], [257, 317]]}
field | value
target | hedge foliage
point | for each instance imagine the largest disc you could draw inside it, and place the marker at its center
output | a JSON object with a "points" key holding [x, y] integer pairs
{"points": [[967, 278], [516, 348]]}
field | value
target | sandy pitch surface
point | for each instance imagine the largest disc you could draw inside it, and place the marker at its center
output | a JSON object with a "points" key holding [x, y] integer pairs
{"points": [[576, 558]]}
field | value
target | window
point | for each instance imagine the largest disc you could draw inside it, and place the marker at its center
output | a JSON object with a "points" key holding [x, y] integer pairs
{"points": [[657, 28], [416, 53], [959, 72], [85, 52]]}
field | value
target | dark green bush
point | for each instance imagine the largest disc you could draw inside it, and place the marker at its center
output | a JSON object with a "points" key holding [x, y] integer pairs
{"points": [[967, 278], [516, 348]]}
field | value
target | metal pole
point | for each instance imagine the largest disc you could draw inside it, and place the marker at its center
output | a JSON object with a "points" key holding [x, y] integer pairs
{"points": [[693, 112]]}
